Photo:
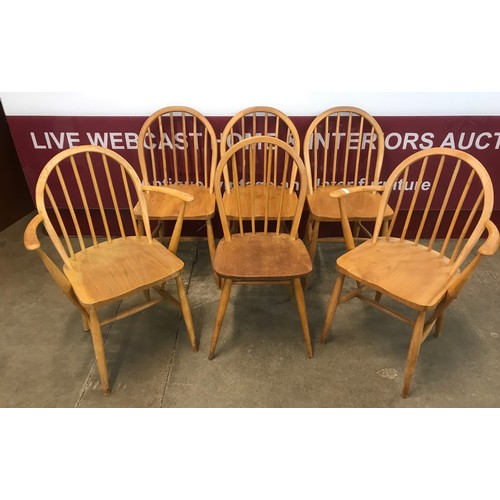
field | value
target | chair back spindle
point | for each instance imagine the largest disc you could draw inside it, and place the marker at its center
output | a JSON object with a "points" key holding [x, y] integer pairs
{"points": [[89, 191], [261, 121], [441, 195], [177, 145], [343, 146], [262, 209]]}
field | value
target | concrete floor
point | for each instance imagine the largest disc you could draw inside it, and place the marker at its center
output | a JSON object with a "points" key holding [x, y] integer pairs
{"points": [[47, 360]]}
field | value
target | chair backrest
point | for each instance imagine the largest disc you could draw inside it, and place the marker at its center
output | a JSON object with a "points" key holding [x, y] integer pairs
{"points": [[262, 154], [343, 145], [89, 191], [438, 191], [258, 121], [178, 145]]}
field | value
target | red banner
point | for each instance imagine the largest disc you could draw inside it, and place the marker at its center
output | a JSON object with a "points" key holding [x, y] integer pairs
{"points": [[39, 138]]}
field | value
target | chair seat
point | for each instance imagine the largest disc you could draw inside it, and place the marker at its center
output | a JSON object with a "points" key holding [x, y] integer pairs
{"points": [[113, 270], [262, 257], [272, 200], [359, 206], [161, 206], [408, 272]]}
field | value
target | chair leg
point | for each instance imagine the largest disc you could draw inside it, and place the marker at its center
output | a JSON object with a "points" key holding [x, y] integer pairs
{"points": [[378, 296], [439, 313], [385, 228], [332, 306], [186, 312], [312, 231], [140, 227], [413, 351], [301, 305], [85, 321], [211, 249], [161, 232], [355, 229], [314, 239], [224, 298], [308, 231], [95, 331], [439, 325]]}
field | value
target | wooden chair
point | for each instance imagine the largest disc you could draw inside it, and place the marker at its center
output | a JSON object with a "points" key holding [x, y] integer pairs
{"points": [[342, 146], [261, 252], [100, 270], [431, 188], [260, 121], [178, 147]]}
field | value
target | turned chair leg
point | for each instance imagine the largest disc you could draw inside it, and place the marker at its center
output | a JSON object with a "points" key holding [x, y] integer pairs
{"points": [[312, 242], [301, 305], [308, 231], [85, 321], [186, 312], [314, 239], [439, 325], [224, 298], [355, 227], [413, 351], [332, 306], [211, 249], [95, 331]]}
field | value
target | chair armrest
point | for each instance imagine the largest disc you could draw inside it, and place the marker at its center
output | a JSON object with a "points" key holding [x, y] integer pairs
{"points": [[340, 193], [31, 241], [181, 195], [171, 191], [490, 246]]}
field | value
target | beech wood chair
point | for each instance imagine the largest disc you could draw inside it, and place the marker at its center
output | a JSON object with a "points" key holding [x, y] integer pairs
{"points": [[259, 121], [260, 252], [437, 191], [342, 146], [102, 269], [178, 147]]}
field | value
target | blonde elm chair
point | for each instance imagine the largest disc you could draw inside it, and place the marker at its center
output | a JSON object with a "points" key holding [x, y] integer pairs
{"points": [[343, 146], [410, 264], [254, 122], [178, 147], [259, 251], [103, 268]]}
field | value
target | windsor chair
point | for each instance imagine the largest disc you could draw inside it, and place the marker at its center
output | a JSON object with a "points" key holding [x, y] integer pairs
{"points": [[90, 190], [448, 193], [177, 147], [342, 146], [251, 122], [260, 252]]}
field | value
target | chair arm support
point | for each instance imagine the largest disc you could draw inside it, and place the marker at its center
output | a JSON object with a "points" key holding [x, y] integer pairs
{"points": [[31, 241], [490, 246], [340, 193], [170, 191]]}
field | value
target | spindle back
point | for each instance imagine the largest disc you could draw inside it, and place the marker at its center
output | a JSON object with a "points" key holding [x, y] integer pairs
{"points": [[259, 193], [439, 191], [260, 121], [177, 145], [89, 191], [343, 145]]}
